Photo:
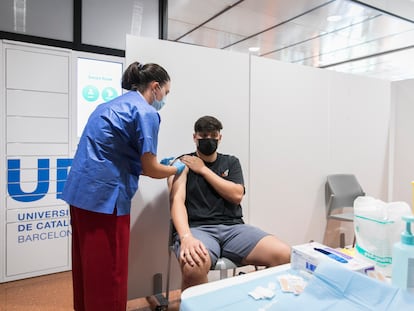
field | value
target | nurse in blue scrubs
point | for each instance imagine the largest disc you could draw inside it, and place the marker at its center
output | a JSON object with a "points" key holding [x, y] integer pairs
{"points": [[118, 144]]}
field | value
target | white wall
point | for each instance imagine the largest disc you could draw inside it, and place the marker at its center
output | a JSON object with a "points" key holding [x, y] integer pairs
{"points": [[289, 148], [403, 153], [305, 124], [359, 130]]}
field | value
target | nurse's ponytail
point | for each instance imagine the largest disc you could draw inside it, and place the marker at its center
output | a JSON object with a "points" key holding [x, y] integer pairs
{"points": [[138, 76]]}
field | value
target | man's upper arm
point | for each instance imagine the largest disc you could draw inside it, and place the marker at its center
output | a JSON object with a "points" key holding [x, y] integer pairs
{"points": [[177, 187]]}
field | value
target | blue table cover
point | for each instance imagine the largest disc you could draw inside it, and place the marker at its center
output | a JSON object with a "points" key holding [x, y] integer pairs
{"points": [[332, 287]]}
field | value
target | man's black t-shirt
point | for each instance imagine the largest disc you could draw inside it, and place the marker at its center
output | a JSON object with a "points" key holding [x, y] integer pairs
{"points": [[204, 205]]}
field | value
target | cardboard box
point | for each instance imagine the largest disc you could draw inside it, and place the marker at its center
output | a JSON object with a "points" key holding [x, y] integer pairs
{"points": [[307, 256]]}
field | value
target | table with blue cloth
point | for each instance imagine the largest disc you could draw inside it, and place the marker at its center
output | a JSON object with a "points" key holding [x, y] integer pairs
{"points": [[331, 287]]}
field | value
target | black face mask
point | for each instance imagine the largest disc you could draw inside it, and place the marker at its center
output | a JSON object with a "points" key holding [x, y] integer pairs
{"points": [[207, 146]]}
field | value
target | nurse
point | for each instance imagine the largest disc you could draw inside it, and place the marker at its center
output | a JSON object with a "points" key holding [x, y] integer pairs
{"points": [[118, 144]]}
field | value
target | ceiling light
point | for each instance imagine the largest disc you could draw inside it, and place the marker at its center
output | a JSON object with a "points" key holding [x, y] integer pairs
{"points": [[254, 49], [334, 18]]}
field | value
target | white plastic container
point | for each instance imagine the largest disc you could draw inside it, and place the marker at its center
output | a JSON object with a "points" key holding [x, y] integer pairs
{"points": [[403, 258]]}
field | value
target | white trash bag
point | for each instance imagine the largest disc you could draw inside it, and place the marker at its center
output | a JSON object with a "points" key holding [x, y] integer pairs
{"points": [[378, 226]]}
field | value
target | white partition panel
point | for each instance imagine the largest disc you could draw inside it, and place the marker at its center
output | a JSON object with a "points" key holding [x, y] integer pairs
{"points": [[305, 124], [203, 82], [403, 153], [359, 139], [360, 125], [289, 149]]}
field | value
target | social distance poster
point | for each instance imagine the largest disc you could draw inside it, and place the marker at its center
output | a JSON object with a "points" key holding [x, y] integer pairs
{"points": [[99, 81]]}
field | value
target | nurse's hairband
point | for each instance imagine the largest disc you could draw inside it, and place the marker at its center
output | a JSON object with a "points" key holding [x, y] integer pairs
{"points": [[140, 66]]}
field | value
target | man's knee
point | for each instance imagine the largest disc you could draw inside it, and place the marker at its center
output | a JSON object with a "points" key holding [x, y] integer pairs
{"points": [[284, 254], [269, 252], [281, 254], [200, 268], [194, 275]]}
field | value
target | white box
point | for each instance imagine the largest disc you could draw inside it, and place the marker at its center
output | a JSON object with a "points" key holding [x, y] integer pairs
{"points": [[307, 256]]}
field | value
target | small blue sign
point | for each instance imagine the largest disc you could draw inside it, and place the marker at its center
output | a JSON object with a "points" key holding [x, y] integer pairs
{"points": [[90, 93]]}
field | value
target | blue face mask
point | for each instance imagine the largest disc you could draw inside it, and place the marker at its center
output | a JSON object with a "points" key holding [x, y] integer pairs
{"points": [[158, 104]]}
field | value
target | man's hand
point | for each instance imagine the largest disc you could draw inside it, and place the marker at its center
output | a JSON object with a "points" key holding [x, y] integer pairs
{"points": [[193, 251], [194, 163]]}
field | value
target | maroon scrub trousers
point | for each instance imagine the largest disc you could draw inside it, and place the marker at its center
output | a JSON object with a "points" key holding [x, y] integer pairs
{"points": [[100, 245]]}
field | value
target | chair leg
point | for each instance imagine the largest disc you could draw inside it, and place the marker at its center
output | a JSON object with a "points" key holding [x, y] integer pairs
{"points": [[158, 297], [342, 240], [167, 287], [223, 274]]}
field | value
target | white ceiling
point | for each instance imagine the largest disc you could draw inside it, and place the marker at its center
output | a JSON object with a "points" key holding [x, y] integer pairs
{"points": [[363, 41]]}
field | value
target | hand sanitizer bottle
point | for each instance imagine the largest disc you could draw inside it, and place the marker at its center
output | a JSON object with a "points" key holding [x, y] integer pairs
{"points": [[403, 258]]}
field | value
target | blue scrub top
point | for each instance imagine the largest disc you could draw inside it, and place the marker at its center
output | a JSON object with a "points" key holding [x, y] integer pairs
{"points": [[107, 163]]}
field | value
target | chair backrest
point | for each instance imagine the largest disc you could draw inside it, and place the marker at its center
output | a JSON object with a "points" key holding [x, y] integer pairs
{"points": [[341, 190]]}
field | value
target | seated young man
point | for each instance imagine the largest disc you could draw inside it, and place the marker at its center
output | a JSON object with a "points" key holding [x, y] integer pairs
{"points": [[207, 215]]}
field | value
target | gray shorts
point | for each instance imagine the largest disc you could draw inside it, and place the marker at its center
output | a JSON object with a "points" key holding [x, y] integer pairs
{"points": [[234, 242]]}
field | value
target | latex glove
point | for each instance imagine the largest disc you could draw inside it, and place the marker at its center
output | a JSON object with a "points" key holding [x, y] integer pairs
{"points": [[167, 161], [179, 165]]}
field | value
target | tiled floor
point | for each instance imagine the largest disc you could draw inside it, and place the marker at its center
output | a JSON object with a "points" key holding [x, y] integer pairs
{"points": [[54, 293]]}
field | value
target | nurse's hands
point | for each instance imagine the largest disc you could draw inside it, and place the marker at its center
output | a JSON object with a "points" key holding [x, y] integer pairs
{"points": [[180, 166], [167, 161]]}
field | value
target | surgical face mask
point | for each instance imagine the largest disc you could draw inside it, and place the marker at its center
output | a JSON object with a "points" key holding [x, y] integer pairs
{"points": [[158, 104], [207, 146]]}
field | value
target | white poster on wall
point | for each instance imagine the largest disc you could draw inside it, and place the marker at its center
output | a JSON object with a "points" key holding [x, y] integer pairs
{"points": [[98, 81]]}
